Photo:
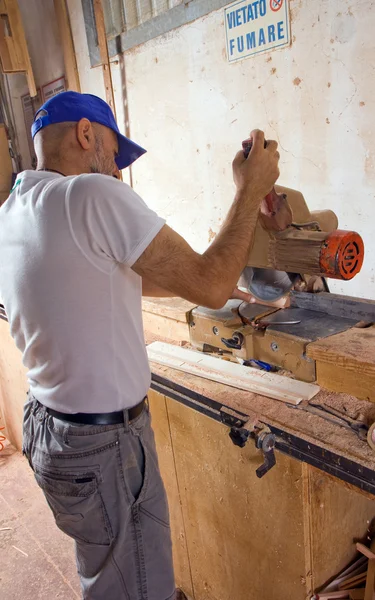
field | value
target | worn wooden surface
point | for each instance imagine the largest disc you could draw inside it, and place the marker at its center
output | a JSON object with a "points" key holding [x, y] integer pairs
{"points": [[346, 362], [295, 421], [338, 516], [279, 537], [173, 308], [163, 328], [168, 471], [13, 386], [244, 535]]}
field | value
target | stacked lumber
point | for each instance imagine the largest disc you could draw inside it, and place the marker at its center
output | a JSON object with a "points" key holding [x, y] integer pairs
{"points": [[357, 581]]}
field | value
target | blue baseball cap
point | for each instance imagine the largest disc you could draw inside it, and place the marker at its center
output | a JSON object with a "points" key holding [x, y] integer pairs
{"points": [[72, 106]]}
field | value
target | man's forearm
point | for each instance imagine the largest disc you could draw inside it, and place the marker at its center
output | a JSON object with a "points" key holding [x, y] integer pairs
{"points": [[228, 254]]}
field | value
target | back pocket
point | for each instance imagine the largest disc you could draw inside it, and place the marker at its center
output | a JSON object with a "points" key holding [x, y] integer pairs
{"points": [[76, 503]]}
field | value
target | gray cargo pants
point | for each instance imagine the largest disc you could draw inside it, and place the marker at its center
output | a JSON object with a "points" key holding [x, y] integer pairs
{"points": [[104, 488]]}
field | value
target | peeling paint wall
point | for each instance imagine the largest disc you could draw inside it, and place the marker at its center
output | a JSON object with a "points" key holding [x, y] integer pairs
{"points": [[191, 109]]}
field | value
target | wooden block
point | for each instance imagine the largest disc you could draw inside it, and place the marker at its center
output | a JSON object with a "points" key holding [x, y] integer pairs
{"points": [[232, 374], [161, 327], [173, 308], [357, 594], [346, 362]]}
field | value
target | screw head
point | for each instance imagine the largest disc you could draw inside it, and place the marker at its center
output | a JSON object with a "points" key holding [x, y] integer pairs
{"points": [[274, 347], [215, 331]]}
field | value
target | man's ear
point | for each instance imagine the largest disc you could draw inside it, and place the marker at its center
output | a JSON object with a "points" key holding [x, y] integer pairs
{"points": [[85, 134]]}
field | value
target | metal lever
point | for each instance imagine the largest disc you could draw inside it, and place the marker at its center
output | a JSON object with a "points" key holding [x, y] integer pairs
{"points": [[235, 342], [266, 442]]}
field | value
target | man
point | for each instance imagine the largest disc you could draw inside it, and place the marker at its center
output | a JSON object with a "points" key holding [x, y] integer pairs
{"points": [[79, 248]]}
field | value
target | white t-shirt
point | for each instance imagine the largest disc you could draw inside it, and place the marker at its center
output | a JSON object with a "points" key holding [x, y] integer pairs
{"points": [[67, 245]]}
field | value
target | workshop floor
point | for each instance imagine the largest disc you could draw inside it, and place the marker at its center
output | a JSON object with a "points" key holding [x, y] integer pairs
{"points": [[36, 559]]}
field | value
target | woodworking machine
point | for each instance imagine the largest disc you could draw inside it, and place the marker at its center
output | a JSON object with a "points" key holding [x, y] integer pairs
{"points": [[293, 254]]}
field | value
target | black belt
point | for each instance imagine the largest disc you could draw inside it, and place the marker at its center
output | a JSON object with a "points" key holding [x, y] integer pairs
{"points": [[112, 418]]}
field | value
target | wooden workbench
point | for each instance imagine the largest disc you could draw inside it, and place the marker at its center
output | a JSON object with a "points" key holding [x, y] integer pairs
{"points": [[239, 537]]}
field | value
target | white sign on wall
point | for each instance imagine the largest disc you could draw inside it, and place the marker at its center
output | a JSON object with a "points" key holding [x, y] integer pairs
{"points": [[256, 27], [53, 88]]}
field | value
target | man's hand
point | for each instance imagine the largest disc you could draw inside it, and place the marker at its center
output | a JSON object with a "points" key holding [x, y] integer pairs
{"points": [[259, 170], [241, 295]]}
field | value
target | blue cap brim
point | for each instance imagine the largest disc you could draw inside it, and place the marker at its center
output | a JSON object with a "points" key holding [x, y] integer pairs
{"points": [[128, 152]]}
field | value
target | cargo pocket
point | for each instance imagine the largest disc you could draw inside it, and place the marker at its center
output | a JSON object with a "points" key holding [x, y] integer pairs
{"points": [[77, 505]]}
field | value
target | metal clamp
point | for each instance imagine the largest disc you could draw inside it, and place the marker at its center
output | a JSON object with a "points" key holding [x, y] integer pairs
{"points": [[264, 441]]}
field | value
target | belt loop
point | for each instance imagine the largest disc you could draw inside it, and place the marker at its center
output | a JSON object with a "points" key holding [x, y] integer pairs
{"points": [[126, 420], [65, 434], [35, 405], [43, 413]]}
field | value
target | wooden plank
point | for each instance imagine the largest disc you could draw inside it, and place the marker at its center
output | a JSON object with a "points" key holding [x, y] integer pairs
{"points": [[71, 70], [18, 46], [244, 535], [5, 165], [104, 56], [336, 305], [357, 594], [164, 448], [5, 57], [234, 375], [353, 581], [370, 581], [346, 362], [333, 595]]}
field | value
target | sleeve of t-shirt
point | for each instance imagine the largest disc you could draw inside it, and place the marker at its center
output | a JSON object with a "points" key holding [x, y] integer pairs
{"points": [[108, 220]]}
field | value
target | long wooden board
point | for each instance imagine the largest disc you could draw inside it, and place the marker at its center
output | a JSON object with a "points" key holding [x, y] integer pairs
{"points": [[234, 375]]}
